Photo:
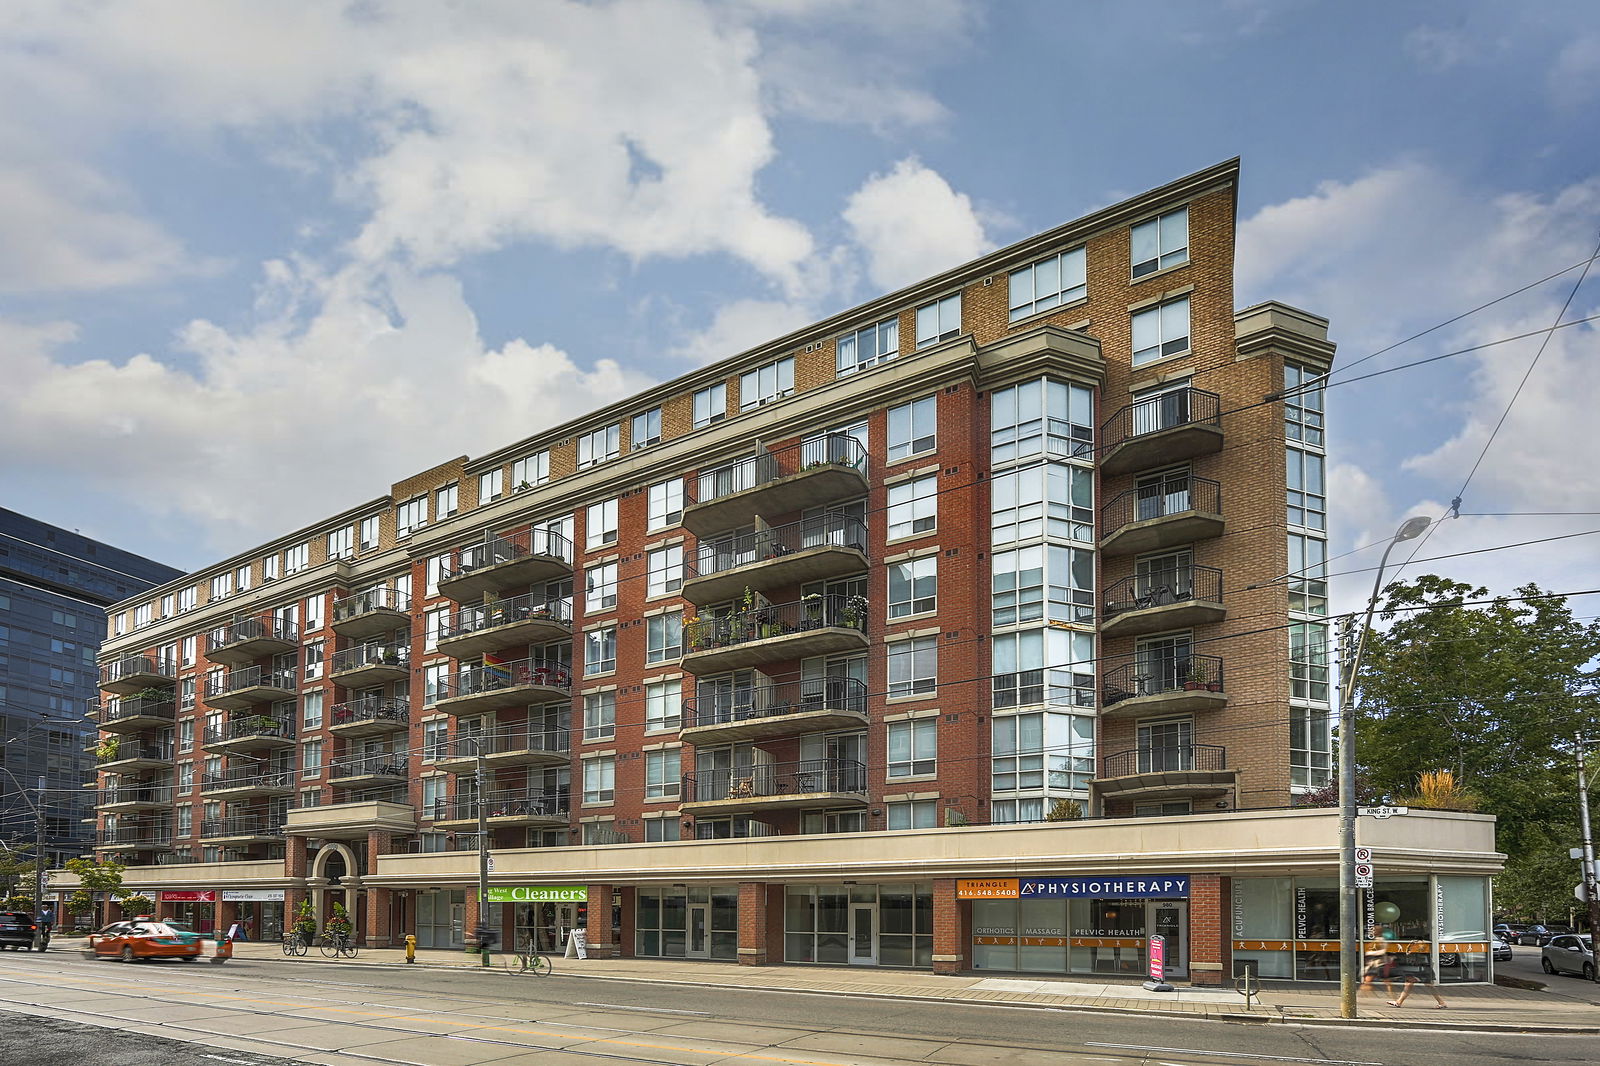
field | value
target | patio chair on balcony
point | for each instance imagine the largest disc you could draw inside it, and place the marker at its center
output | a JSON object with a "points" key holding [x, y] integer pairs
{"points": [[742, 787]]}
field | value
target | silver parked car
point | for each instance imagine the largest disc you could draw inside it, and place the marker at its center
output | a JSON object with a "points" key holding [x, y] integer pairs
{"points": [[1569, 953]]}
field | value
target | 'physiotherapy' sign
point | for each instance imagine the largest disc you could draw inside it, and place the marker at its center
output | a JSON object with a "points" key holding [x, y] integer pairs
{"points": [[1141, 886]]}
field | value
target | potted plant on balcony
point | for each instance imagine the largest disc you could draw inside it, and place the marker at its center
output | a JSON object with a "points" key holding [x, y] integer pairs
{"points": [[855, 612], [1197, 675], [812, 603], [390, 656], [107, 749]]}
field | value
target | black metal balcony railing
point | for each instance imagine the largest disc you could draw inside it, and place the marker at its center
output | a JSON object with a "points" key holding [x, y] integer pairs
{"points": [[398, 655], [497, 548], [776, 779], [354, 606], [504, 741], [251, 725], [776, 620], [370, 709], [771, 464], [483, 616], [269, 627], [241, 827], [1180, 407], [134, 665], [246, 777], [109, 752], [135, 794], [479, 679], [499, 805], [1161, 759], [1169, 496], [1158, 672], [716, 707], [248, 677], [821, 531], [387, 764], [136, 707], [1161, 587]]}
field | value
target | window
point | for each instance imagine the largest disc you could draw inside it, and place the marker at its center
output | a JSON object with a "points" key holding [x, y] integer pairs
{"points": [[912, 428], [297, 558], [912, 814], [1308, 661], [434, 622], [1051, 499], [766, 383], [662, 706], [313, 613], [661, 774], [143, 614], [939, 321], [665, 571], [599, 446], [1041, 751], [531, 470], [663, 637], [436, 568], [1022, 576], [168, 609], [369, 532], [187, 598], [313, 660], [913, 747], [913, 666], [311, 758], [600, 651], [1302, 404], [186, 734], [311, 710], [435, 682], [185, 776], [221, 585], [186, 693], [1160, 243], [435, 741], [1043, 666], [657, 830], [868, 346], [600, 524], [1161, 331], [1307, 496], [410, 516], [913, 507], [600, 587], [646, 428], [1051, 282], [1041, 416], [599, 779], [1310, 746], [191, 649], [599, 715], [666, 503], [119, 623], [1308, 574], [445, 501], [710, 405], [913, 586], [341, 542], [491, 485]]}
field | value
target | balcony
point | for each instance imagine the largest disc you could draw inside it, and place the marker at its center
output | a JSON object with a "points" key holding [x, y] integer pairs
{"points": [[504, 686], [776, 786], [774, 557], [783, 710], [384, 769], [1155, 684], [135, 714], [242, 687], [1161, 430], [507, 747], [370, 664], [245, 829], [250, 732], [352, 821], [775, 481], [121, 755], [136, 673], [247, 782], [1186, 771], [505, 561], [1178, 597], [369, 716], [372, 613], [134, 798], [249, 639], [816, 625], [1161, 514], [515, 622], [133, 839], [500, 809]]}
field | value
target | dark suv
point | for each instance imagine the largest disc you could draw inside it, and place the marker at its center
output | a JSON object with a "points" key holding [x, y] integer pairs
{"points": [[17, 929]]}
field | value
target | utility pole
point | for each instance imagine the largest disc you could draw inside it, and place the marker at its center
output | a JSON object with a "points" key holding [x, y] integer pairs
{"points": [[38, 864], [1589, 886], [483, 849]]}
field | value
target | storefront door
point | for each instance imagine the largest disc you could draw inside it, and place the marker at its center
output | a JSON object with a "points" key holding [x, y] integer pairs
{"points": [[458, 923], [863, 934], [698, 945], [1168, 918]]}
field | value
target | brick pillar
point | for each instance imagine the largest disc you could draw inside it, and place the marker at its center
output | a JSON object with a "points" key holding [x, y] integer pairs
{"points": [[775, 905], [294, 857], [1209, 947], [227, 914], [597, 922], [471, 919], [379, 934], [630, 909], [752, 924], [951, 928]]}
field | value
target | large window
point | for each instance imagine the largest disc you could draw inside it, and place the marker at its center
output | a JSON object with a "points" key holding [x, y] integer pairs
{"points": [[600, 445], [1161, 331], [913, 507], [410, 516], [600, 524], [1308, 574], [1308, 661], [600, 651], [664, 571], [868, 346], [445, 501], [1043, 666], [1042, 751], [435, 683], [710, 405], [666, 503], [661, 774], [1041, 416], [646, 429], [663, 701], [600, 587], [913, 748], [1302, 404], [600, 779], [1022, 576], [766, 383], [913, 586], [531, 470], [939, 320], [913, 666], [1051, 282], [663, 637], [1160, 243], [599, 715], [491, 485], [1307, 493], [341, 542], [1051, 499], [912, 814], [1310, 746], [913, 428]]}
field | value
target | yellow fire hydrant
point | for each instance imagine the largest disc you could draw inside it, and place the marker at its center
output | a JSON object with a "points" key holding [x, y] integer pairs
{"points": [[411, 947]]}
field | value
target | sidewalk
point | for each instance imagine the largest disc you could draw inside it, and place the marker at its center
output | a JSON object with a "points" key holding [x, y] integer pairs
{"points": [[1488, 1008]]}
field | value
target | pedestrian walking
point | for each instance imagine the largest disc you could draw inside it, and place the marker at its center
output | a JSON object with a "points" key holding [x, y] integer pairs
{"points": [[1425, 976]]}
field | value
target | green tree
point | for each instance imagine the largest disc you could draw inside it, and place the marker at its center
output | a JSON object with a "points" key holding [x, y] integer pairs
{"points": [[17, 873], [1493, 693], [94, 877]]}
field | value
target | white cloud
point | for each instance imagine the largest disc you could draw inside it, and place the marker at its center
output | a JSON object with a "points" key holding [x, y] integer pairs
{"points": [[911, 223], [1575, 75], [1439, 48], [740, 325]]}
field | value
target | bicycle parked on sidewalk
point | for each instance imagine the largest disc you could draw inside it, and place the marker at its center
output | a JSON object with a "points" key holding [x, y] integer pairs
{"points": [[529, 959], [294, 945], [335, 944]]}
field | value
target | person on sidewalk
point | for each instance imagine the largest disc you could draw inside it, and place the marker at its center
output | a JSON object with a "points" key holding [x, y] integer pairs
{"points": [[1426, 976]]}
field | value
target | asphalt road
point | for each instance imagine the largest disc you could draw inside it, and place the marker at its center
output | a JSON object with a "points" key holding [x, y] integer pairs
{"points": [[357, 1015]]}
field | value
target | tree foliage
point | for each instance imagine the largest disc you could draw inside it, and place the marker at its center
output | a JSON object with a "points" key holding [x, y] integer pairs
{"points": [[1494, 694], [94, 876]]}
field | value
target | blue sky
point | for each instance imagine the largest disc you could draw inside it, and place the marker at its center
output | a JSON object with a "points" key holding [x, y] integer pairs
{"points": [[257, 261]]}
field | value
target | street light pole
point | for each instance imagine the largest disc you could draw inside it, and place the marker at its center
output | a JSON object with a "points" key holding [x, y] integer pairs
{"points": [[483, 851], [1591, 890], [1349, 934]]}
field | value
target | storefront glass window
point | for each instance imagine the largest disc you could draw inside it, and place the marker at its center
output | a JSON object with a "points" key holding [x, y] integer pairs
{"points": [[662, 917], [1263, 926], [1463, 908]]}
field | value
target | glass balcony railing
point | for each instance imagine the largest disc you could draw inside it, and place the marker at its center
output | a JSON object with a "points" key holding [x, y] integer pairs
{"points": [[381, 765], [376, 710], [720, 707], [720, 554], [249, 677], [776, 779], [499, 805], [775, 620], [485, 616], [373, 655], [370, 601], [836, 450], [480, 680], [507, 741]]}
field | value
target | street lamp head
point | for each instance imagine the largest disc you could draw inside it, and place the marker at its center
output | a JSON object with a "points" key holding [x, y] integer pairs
{"points": [[1412, 527]]}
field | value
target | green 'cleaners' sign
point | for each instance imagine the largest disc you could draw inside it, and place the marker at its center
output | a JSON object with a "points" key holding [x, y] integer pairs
{"points": [[538, 894]]}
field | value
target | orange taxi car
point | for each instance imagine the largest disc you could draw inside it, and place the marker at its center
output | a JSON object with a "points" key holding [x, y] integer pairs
{"points": [[144, 939]]}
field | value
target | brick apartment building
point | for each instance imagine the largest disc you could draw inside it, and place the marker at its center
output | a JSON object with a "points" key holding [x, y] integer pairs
{"points": [[922, 636]]}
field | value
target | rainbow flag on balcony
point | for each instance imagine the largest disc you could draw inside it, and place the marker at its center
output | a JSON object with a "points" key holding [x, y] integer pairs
{"points": [[494, 666]]}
